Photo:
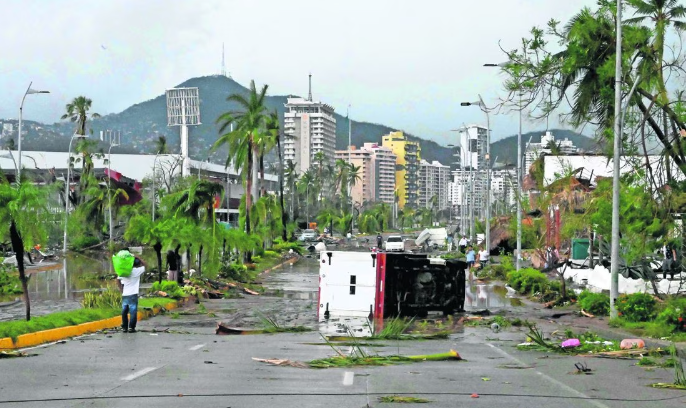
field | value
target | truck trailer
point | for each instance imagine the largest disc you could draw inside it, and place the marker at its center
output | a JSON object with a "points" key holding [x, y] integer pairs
{"points": [[381, 285]]}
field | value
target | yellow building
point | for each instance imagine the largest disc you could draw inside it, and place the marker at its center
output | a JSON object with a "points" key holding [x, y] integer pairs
{"points": [[407, 167]]}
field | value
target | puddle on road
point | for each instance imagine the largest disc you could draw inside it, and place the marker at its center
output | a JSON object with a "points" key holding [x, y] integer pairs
{"points": [[488, 296]]}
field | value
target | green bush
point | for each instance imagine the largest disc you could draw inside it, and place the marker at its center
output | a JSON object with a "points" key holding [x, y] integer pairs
{"points": [[528, 281], [270, 254], [234, 271], [110, 298], [637, 307], [84, 241], [9, 282], [595, 303], [282, 247], [170, 287], [257, 259], [673, 314]]}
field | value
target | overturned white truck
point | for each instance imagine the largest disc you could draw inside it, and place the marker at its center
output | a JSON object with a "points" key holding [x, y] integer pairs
{"points": [[379, 285]]}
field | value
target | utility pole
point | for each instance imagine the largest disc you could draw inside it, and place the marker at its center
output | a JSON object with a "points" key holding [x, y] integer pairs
{"points": [[615, 218], [519, 195]]}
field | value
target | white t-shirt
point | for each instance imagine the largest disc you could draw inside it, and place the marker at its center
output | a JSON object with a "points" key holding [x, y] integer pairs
{"points": [[484, 255], [132, 282], [463, 242]]}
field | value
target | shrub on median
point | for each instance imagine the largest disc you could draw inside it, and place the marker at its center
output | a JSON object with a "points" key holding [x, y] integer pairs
{"points": [[637, 307], [595, 303], [528, 281]]}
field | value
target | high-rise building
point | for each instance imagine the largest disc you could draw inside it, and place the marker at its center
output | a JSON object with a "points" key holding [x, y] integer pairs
{"points": [[469, 186], [377, 172], [534, 150], [434, 179], [407, 168], [309, 128]]}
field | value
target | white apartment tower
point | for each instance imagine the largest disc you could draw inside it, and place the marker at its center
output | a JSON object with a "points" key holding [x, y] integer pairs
{"points": [[434, 180], [309, 128], [534, 150]]}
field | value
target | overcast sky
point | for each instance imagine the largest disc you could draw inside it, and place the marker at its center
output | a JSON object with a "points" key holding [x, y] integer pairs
{"points": [[406, 64]]}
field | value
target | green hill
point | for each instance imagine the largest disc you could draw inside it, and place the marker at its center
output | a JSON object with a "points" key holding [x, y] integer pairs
{"points": [[142, 123]]}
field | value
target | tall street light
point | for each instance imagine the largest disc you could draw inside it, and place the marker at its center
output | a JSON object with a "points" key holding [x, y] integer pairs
{"points": [[114, 141], [487, 156], [350, 163], [617, 125], [66, 189], [29, 91], [519, 171]]}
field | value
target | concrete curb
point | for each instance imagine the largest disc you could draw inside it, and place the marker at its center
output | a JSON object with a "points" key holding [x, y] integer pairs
{"points": [[279, 265], [60, 333]]}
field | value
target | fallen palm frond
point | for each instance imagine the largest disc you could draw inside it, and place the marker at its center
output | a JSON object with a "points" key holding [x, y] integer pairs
{"points": [[280, 362], [679, 369], [13, 354], [668, 385], [394, 329], [403, 400], [270, 325], [355, 361]]}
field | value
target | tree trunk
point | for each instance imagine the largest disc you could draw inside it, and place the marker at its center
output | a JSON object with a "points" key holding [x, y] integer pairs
{"points": [[262, 175], [180, 273], [158, 251], [200, 260], [249, 188], [18, 248], [281, 190], [188, 260]]}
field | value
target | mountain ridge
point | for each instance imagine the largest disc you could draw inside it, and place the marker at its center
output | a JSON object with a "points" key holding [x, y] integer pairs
{"points": [[142, 123]]}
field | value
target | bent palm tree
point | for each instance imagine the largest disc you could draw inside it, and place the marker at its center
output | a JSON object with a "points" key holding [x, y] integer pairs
{"points": [[250, 121]]}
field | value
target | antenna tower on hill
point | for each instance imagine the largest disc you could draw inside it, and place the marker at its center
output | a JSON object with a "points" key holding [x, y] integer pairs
{"points": [[224, 69], [310, 87]]}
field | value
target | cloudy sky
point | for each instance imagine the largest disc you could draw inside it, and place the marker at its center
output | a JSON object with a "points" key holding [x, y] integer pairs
{"points": [[406, 64]]}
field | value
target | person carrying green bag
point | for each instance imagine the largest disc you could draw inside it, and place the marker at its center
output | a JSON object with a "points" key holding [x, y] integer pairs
{"points": [[129, 286]]}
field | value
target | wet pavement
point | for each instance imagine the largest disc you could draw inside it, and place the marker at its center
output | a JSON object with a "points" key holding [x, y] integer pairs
{"points": [[191, 366]]}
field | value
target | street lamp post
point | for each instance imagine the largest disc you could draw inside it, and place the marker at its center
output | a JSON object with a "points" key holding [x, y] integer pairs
{"points": [[350, 164], [66, 190], [29, 91], [109, 182], [487, 156], [519, 171], [154, 175]]}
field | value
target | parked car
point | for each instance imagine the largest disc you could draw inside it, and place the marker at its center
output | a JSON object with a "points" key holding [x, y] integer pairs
{"points": [[394, 243], [308, 235]]}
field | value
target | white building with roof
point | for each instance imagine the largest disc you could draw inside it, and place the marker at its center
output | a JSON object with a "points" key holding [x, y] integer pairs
{"points": [[309, 128]]}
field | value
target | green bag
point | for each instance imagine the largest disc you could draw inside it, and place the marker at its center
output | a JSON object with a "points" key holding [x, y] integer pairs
{"points": [[123, 263]]}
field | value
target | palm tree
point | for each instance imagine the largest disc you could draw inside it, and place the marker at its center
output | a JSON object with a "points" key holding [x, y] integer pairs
{"points": [[663, 13], [161, 145], [305, 185], [291, 175], [197, 202], [273, 128], [353, 177], [250, 121], [77, 111], [21, 209]]}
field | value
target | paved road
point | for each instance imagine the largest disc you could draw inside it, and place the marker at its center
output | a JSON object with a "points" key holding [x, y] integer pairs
{"points": [[198, 368]]}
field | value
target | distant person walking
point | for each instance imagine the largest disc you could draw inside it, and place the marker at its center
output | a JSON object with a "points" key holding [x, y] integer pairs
{"points": [[172, 266], [483, 257], [449, 242], [130, 286], [380, 239], [470, 257], [463, 243]]}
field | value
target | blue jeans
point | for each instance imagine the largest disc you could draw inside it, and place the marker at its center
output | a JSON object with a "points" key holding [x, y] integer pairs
{"points": [[129, 306]]}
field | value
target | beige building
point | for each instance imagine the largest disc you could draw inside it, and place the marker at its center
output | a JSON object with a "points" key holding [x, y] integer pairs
{"points": [[377, 173]]}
